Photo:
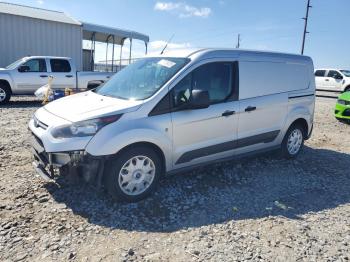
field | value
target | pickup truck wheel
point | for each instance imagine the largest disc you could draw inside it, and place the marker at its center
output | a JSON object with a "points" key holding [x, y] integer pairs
{"points": [[5, 94], [133, 174], [293, 141]]}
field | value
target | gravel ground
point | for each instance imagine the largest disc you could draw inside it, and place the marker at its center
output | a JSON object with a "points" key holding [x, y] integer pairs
{"points": [[261, 208]]}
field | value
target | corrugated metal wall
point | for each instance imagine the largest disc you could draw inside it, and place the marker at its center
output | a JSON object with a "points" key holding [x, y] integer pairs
{"points": [[23, 36]]}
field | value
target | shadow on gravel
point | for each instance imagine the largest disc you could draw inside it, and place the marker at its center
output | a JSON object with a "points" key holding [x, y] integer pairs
{"points": [[22, 104], [244, 189]]}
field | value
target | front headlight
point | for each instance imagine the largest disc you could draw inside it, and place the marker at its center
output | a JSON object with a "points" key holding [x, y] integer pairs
{"points": [[343, 102], [83, 128]]}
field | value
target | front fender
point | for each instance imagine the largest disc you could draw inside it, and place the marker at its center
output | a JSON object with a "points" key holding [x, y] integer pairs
{"points": [[6, 77], [101, 144]]}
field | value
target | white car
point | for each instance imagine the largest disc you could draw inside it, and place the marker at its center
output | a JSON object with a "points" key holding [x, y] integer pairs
{"points": [[26, 75], [333, 79], [167, 113]]}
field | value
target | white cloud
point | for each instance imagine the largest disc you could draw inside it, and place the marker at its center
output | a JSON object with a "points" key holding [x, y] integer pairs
{"points": [[40, 2], [182, 9]]}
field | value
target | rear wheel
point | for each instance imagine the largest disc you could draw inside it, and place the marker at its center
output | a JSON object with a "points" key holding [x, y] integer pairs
{"points": [[133, 174], [5, 94], [293, 141]]}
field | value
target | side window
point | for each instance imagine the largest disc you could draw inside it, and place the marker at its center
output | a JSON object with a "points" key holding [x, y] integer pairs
{"points": [[334, 74], [216, 78], [60, 66], [320, 73], [34, 65]]}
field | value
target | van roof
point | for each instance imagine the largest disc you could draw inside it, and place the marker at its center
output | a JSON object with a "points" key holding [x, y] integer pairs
{"points": [[221, 52]]}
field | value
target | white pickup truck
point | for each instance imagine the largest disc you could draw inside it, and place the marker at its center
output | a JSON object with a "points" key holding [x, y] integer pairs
{"points": [[26, 75]]}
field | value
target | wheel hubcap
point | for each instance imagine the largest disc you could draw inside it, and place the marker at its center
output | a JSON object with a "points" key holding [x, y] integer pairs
{"points": [[295, 140], [136, 175], [2, 94]]}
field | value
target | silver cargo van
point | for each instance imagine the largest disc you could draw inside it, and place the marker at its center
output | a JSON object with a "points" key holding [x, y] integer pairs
{"points": [[167, 113]]}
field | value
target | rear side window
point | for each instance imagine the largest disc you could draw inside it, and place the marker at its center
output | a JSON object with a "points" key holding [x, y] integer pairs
{"points": [[35, 65], [320, 73], [60, 65], [216, 78]]}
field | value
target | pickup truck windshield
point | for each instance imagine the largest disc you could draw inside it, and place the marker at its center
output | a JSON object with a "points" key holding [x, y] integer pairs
{"points": [[346, 72], [14, 64], [142, 79]]}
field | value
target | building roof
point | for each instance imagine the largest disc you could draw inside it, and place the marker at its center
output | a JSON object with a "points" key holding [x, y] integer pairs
{"points": [[38, 13], [102, 33]]}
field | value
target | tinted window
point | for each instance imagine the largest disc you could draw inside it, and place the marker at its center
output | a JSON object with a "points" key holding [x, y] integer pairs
{"points": [[216, 78], [60, 65], [320, 73], [333, 73], [35, 65]]}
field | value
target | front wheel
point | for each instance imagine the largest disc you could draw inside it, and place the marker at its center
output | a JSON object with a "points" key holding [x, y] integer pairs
{"points": [[133, 174], [5, 94], [293, 141]]}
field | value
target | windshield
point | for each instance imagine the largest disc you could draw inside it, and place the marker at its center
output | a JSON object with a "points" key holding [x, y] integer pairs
{"points": [[346, 72], [15, 64], [142, 79]]}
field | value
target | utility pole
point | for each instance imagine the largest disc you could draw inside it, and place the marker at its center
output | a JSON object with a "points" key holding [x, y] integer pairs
{"points": [[306, 18], [238, 41]]}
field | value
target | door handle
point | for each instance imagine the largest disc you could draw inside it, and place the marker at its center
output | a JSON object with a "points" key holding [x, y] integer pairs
{"points": [[42, 76], [228, 113], [69, 76], [250, 108]]}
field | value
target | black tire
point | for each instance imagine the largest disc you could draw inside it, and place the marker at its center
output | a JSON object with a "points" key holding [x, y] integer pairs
{"points": [[114, 166], [5, 89], [284, 146], [347, 89]]}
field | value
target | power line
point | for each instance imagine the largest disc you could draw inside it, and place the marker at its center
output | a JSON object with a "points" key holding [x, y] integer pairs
{"points": [[306, 18]]}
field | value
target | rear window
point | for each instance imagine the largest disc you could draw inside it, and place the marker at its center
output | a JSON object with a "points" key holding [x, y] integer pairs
{"points": [[60, 65], [320, 73]]}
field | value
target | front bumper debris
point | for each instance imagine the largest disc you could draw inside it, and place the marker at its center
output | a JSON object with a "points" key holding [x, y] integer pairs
{"points": [[73, 162]]}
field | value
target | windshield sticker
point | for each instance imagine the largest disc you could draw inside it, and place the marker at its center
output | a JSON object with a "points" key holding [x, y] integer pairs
{"points": [[166, 63]]}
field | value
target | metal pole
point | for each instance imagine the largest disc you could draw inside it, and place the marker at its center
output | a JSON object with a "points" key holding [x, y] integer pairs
{"points": [[107, 42], [146, 44], [306, 18], [121, 53], [130, 51], [92, 53], [113, 53]]}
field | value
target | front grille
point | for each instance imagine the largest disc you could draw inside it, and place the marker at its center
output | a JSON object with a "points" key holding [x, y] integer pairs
{"points": [[346, 112]]}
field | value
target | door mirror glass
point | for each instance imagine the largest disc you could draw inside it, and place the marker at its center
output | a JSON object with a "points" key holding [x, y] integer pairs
{"points": [[199, 99], [338, 77], [23, 68]]}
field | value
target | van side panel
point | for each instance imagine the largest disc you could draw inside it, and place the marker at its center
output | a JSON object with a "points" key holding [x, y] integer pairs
{"points": [[266, 78]]}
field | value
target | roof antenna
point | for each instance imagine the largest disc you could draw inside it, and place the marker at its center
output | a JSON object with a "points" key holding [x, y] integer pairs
{"points": [[166, 45]]}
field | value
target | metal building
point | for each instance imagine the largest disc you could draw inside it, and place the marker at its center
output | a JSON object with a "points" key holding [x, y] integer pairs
{"points": [[33, 31]]}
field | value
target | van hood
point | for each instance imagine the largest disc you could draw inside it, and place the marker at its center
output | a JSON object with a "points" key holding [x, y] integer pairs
{"points": [[89, 105]]}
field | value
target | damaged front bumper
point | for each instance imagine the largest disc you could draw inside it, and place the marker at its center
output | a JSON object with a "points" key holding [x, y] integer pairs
{"points": [[80, 163]]}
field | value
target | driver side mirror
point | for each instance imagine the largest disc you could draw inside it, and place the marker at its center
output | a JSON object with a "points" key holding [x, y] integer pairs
{"points": [[23, 68], [338, 77], [199, 99]]}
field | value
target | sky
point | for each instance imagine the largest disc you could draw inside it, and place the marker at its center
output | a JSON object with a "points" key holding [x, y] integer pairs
{"points": [[274, 25]]}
